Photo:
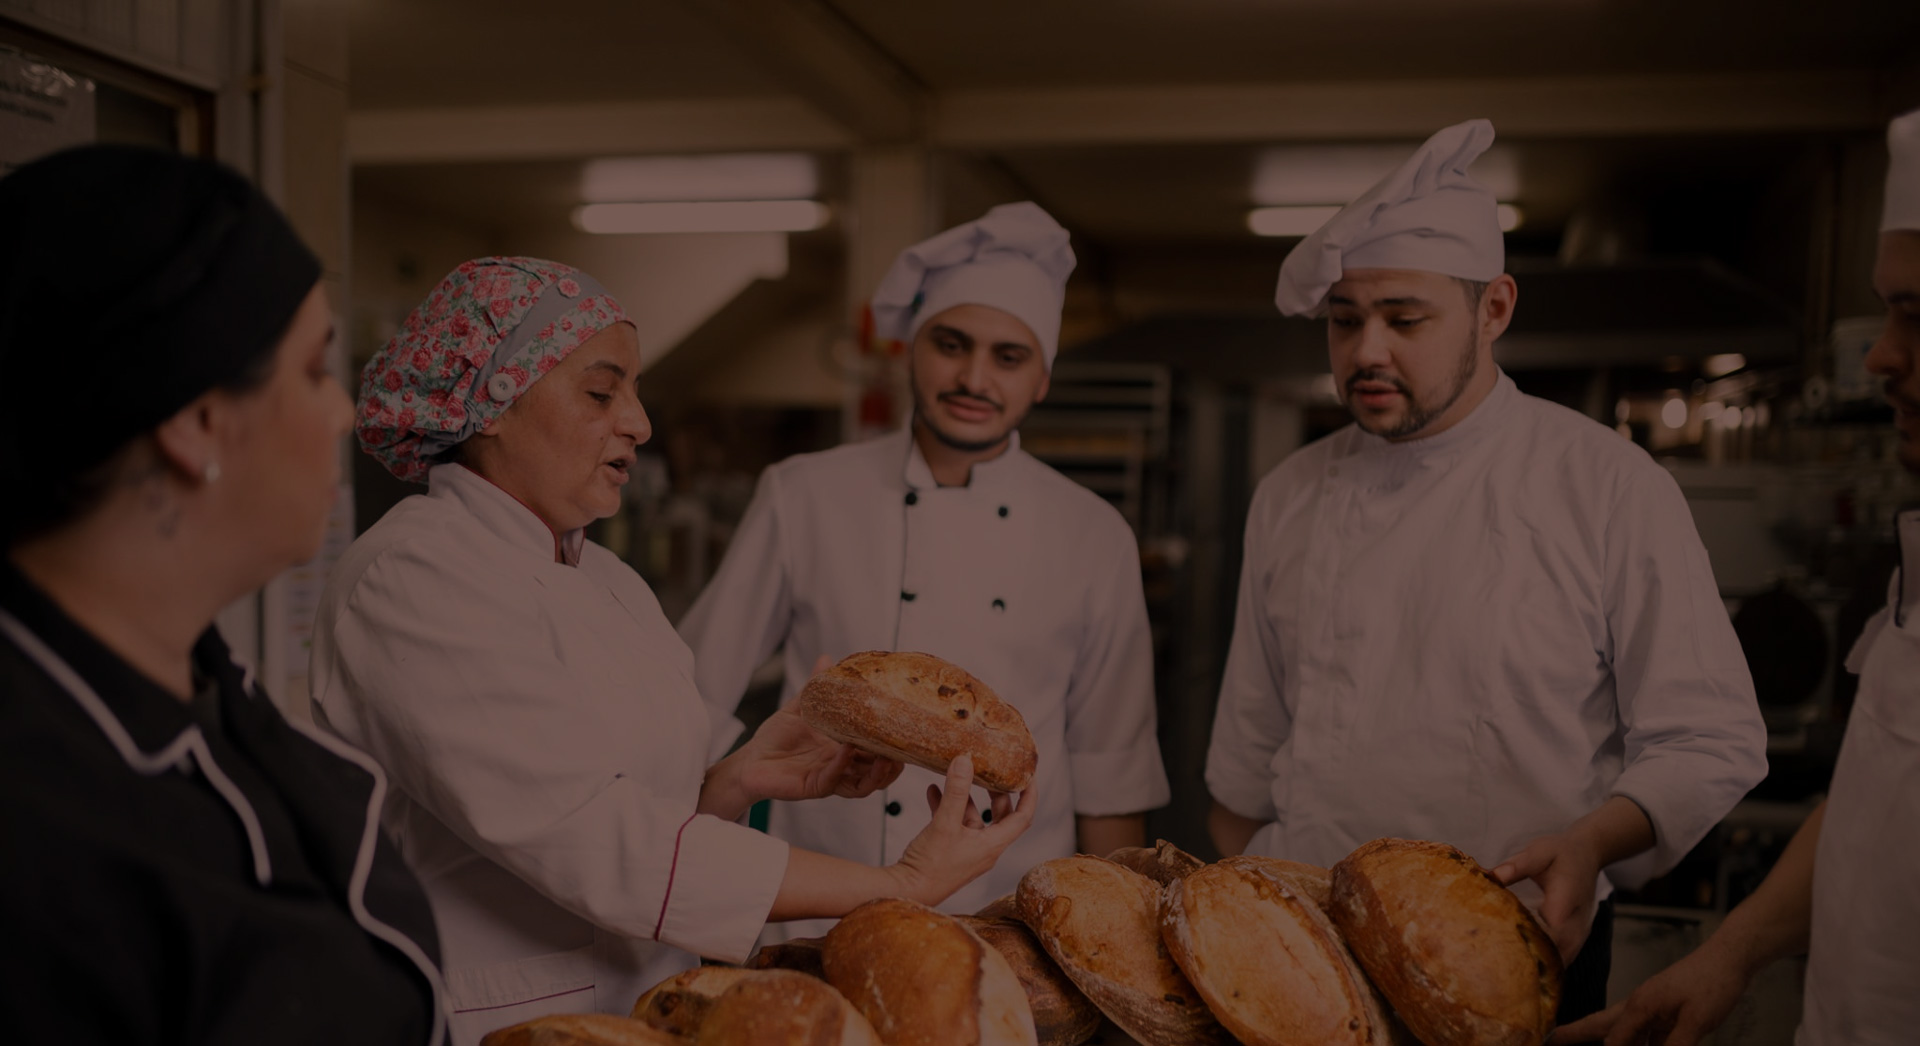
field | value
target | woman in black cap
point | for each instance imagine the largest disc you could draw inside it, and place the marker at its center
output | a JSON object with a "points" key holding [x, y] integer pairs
{"points": [[182, 865]]}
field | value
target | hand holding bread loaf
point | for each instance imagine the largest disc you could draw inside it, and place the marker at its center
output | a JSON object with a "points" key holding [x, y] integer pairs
{"points": [[918, 709]]}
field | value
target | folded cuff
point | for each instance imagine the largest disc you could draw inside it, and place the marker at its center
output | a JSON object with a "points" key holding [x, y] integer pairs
{"points": [[721, 890], [1130, 781]]}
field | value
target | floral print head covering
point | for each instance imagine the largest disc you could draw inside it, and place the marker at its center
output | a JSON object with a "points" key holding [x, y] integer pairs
{"points": [[490, 330]]}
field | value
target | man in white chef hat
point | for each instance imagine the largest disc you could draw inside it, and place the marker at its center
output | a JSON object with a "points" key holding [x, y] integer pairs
{"points": [[946, 538], [1847, 889], [1472, 616]]}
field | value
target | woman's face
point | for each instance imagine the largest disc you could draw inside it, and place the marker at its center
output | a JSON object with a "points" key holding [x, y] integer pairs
{"points": [[565, 446], [280, 458]]}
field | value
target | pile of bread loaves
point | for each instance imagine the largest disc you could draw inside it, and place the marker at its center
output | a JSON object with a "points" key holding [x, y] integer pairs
{"points": [[1400, 942]]}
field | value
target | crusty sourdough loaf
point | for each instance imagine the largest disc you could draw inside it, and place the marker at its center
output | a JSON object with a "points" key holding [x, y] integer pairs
{"points": [[1062, 1014], [801, 954], [678, 1004], [783, 1008], [1268, 961], [921, 710], [581, 1029], [1101, 923], [1162, 862], [924, 979], [1460, 958], [1305, 879], [1000, 908]]}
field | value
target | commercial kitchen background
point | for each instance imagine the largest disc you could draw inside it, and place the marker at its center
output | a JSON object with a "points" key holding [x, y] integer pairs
{"points": [[1693, 190]]}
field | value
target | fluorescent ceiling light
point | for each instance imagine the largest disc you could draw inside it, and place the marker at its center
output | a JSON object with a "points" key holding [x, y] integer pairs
{"points": [[1288, 221], [1315, 174], [733, 176], [702, 216], [1673, 413]]}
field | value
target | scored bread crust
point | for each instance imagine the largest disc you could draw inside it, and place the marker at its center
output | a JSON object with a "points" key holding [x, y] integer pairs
{"points": [[581, 1029], [924, 979], [1101, 923], [1268, 961], [784, 1008], [801, 954], [1309, 880], [1463, 962], [680, 1003], [1163, 862], [1062, 1014], [919, 709]]}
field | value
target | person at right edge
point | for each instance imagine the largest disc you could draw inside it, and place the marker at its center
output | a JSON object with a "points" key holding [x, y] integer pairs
{"points": [[1844, 892], [1473, 616]]}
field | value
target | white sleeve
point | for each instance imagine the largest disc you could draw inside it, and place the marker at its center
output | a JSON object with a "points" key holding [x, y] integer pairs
{"points": [[744, 613], [460, 695], [1695, 742], [1250, 722], [1113, 743]]}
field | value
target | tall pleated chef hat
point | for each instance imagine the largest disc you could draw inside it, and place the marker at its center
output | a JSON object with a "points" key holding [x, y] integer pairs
{"points": [[1428, 215], [1902, 210], [1015, 258]]}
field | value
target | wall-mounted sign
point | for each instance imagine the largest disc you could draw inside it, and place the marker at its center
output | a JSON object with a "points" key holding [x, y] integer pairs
{"points": [[43, 109]]}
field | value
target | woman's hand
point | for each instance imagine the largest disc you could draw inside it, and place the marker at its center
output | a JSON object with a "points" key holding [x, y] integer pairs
{"points": [[959, 846], [787, 759]]}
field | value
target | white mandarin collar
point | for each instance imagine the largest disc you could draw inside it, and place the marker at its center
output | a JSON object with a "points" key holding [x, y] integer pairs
{"points": [[501, 512], [987, 475], [1486, 418]]}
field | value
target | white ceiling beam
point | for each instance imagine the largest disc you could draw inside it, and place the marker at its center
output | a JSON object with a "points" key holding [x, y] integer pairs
{"points": [[1393, 109], [819, 55], [584, 129]]}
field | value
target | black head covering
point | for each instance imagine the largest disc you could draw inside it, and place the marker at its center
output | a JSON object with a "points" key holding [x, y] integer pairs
{"points": [[131, 281]]}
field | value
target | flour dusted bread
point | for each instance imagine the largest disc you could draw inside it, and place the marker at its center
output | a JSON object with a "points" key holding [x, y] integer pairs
{"points": [[921, 710], [1162, 862], [1460, 958], [783, 1008], [581, 1029], [1268, 962], [1101, 923], [680, 1003], [1062, 1014], [1305, 879], [924, 979]]}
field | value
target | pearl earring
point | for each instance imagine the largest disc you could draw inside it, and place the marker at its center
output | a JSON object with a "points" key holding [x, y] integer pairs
{"points": [[211, 473]]}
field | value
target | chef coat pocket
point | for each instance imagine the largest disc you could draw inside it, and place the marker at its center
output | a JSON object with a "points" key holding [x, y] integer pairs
{"points": [[484, 998]]}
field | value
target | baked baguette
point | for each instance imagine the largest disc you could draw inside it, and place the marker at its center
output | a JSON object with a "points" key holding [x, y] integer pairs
{"points": [[783, 1008], [1268, 961], [1162, 862], [921, 710], [1062, 1014], [1305, 879], [1101, 923], [680, 1003], [581, 1029], [801, 954], [1460, 958], [924, 979]]}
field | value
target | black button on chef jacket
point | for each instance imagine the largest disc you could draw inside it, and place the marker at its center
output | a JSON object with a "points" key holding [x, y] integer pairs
{"points": [[142, 907]]}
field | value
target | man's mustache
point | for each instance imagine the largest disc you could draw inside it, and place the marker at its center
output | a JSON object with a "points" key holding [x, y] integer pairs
{"points": [[969, 397], [1384, 379]]}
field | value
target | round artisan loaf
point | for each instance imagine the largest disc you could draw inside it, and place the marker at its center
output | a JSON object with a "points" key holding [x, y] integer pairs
{"points": [[783, 1008], [1101, 923], [1163, 862], [801, 954], [1460, 958], [581, 1029], [924, 979], [1305, 879], [921, 710], [680, 1003], [1268, 962], [1062, 1014]]}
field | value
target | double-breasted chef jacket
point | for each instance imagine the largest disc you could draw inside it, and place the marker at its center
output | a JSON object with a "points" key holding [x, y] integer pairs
{"points": [[1022, 577], [190, 873], [546, 744], [1863, 962], [1477, 638]]}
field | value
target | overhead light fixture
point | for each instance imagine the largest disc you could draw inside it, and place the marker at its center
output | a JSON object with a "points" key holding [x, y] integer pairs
{"points": [[1510, 217], [707, 216], [1288, 221], [1724, 364], [728, 176], [1673, 413]]}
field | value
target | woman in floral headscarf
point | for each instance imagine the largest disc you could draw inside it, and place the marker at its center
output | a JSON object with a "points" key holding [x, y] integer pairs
{"points": [[535, 710]]}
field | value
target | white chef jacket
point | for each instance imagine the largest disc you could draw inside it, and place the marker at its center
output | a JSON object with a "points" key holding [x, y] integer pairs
{"points": [[546, 745], [1863, 963], [1022, 577], [1477, 638]]}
